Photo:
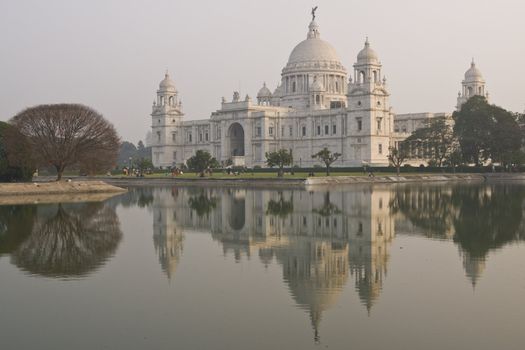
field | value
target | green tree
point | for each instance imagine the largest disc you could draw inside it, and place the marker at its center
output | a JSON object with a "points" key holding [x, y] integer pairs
{"points": [[127, 150], [16, 161], [437, 138], [487, 131], [142, 164], [327, 157], [280, 159], [506, 137], [143, 151], [397, 155], [473, 126], [454, 159], [201, 161]]}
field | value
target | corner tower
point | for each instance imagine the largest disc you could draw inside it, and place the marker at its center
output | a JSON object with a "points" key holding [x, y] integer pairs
{"points": [[472, 85], [166, 117], [370, 119]]}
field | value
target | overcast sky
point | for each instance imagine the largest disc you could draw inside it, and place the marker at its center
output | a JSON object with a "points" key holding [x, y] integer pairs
{"points": [[111, 55]]}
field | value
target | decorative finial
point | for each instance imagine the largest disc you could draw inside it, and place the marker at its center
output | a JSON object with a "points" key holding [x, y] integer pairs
{"points": [[367, 43], [472, 64], [167, 74], [313, 12]]}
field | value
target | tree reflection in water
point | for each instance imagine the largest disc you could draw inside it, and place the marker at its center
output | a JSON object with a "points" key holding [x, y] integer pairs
{"points": [[479, 218], [202, 203], [281, 207], [16, 223], [328, 208], [69, 240]]}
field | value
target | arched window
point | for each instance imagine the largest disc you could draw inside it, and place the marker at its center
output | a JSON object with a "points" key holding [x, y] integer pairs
{"points": [[362, 76], [336, 86], [171, 101], [480, 91], [317, 99], [375, 76], [293, 86], [470, 91]]}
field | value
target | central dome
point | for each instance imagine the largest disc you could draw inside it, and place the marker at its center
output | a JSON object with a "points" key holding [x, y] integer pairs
{"points": [[313, 49]]}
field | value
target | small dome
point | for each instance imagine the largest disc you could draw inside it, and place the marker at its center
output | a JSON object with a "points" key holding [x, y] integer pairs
{"points": [[316, 86], [264, 92], [167, 84], [278, 91], [473, 73], [367, 54]]}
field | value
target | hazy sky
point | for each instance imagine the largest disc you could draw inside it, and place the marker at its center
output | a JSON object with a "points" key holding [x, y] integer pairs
{"points": [[111, 55]]}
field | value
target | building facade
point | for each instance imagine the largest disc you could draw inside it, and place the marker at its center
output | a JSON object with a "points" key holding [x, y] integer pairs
{"points": [[316, 105]]}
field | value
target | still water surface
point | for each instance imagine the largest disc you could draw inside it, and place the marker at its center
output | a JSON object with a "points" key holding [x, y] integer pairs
{"points": [[394, 266]]}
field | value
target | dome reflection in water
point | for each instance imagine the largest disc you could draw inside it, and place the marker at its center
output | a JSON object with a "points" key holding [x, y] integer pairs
{"points": [[321, 238], [335, 256]]}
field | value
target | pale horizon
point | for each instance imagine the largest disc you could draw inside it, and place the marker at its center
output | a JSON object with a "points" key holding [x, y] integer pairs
{"points": [[111, 55]]}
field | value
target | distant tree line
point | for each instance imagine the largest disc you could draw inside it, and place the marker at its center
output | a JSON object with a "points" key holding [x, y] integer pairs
{"points": [[138, 157], [481, 133]]}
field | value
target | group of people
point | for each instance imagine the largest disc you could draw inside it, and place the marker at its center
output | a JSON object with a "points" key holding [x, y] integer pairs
{"points": [[132, 172], [176, 171]]}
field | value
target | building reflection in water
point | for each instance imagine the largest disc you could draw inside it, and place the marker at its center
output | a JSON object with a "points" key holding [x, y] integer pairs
{"points": [[322, 237], [319, 238], [59, 240]]}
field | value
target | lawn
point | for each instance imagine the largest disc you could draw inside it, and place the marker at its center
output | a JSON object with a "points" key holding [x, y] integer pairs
{"points": [[267, 175]]}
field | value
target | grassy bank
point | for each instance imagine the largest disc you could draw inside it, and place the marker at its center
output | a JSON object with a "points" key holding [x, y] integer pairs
{"points": [[268, 175]]}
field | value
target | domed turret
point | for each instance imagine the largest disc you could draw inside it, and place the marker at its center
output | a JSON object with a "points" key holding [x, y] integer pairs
{"points": [[367, 69], [264, 92], [264, 96], [167, 84], [367, 55], [472, 85], [473, 73]]}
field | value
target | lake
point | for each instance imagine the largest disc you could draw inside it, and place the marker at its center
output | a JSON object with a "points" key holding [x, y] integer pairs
{"points": [[402, 266]]}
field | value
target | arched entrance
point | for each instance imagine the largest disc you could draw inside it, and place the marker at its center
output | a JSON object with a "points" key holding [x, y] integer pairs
{"points": [[236, 138], [237, 210]]}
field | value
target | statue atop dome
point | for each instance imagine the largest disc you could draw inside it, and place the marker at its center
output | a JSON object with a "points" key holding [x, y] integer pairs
{"points": [[313, 12]]}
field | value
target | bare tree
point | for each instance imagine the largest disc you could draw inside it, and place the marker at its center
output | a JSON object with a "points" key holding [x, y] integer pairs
{"points": [[65, 135]]}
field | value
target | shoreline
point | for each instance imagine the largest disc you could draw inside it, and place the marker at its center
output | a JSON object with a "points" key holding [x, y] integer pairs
{"points": [[61, 188], [44, 186], [306, 182]]}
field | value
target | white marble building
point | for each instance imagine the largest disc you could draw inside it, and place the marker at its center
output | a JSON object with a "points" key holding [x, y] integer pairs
{"points": [[316, 105]]}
